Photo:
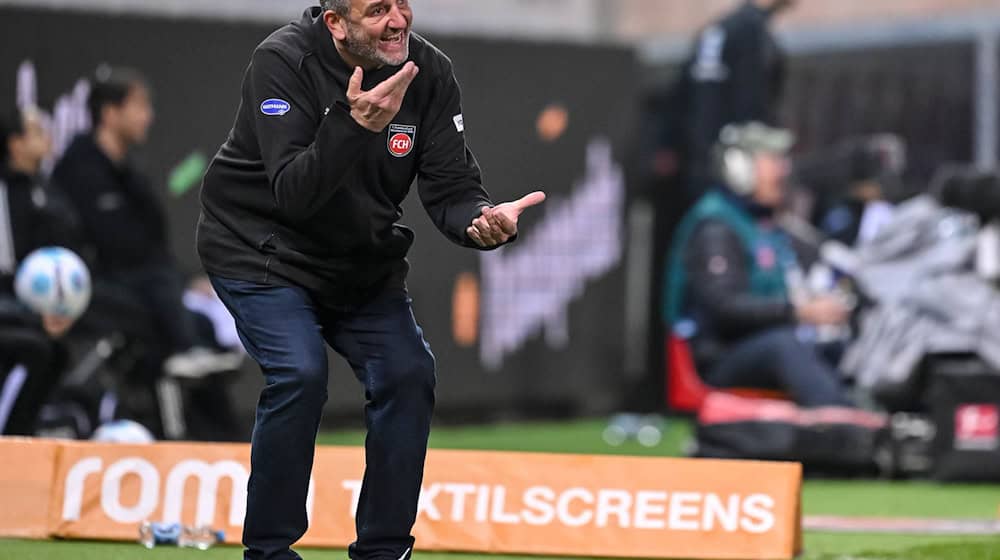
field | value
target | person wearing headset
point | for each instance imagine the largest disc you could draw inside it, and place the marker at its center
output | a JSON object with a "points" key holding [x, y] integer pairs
{"points": [[727, 290]]}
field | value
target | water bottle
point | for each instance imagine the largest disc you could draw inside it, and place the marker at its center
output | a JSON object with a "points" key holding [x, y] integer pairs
{"points": [[647, 430], [153, 534], [202, 538], [620, 429], [146, 538], [650, 432]]}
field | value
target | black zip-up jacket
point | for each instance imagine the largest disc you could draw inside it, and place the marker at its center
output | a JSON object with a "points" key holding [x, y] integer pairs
{"points": [[301, 194], [122, 218]]}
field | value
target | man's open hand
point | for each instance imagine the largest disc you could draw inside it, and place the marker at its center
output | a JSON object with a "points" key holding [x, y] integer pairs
{"points": [[498, 224], [56, 325], [375, 109]]}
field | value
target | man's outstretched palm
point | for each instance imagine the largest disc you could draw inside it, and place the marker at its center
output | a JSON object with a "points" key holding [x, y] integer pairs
{"points": [[499, 223]]}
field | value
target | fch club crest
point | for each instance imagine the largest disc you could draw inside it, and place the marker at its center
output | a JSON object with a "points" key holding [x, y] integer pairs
{"points": [[401, 139]]}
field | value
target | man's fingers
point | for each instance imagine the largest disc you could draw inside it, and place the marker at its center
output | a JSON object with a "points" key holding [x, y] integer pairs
{"points": [[501, 222], [409, 72], [507, 225], [56, 325], [489, 234], [491, 218], [399, 82], [529, 200], [354, 86], [484, 229], [474, 235]]}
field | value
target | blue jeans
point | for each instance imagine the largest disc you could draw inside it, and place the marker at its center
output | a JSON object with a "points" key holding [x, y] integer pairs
{"points": [[284, 330], [778, 359]]}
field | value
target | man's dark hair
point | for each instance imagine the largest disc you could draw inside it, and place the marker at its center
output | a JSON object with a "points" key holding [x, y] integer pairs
{"points": [[11, 124], [110, 87], [342, 7]]}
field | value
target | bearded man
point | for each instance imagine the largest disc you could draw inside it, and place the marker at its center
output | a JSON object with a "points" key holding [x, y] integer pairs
{"points": [[340, 112]]}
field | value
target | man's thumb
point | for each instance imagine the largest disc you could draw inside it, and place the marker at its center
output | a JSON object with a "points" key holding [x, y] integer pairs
{"points": [[530, 200]]}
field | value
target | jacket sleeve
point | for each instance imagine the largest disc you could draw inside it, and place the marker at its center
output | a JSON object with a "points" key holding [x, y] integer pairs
{"points": [[720, 284], [306, 155], [449, 180]]}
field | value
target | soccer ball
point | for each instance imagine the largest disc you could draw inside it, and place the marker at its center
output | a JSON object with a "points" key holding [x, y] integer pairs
{"points": [[54, 281], [123, 431]]}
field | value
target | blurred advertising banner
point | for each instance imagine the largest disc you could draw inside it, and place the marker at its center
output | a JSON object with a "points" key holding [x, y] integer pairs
{"points": [[26, 472], [536, 327], [474, 501]]}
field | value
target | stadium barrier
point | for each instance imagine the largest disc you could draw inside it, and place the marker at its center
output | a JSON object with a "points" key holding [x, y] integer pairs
{"points": [[490, 502]]}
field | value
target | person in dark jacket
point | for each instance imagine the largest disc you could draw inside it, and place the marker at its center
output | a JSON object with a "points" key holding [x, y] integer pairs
{"points": [[340, 112], [728, 289], [124, 221], [31, 217], [735, 74]]}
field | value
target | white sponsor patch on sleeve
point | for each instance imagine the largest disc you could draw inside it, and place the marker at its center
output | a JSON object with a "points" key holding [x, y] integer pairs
{"points": [[459, 122]]}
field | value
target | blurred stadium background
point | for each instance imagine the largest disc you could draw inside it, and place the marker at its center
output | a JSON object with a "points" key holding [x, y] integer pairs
{"points": [[569, 95]]}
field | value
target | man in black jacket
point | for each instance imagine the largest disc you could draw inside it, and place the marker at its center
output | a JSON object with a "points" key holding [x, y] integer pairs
{"points": [[735, 74], [31, 217], [340, 112], [728, 289], [124, 222]]}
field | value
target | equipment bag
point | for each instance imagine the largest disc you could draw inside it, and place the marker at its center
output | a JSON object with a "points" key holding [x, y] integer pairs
{"points": [[964, 400], [828, 440]]}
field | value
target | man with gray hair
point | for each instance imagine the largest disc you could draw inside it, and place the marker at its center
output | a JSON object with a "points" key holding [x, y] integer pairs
{"points": [[340, 112]]}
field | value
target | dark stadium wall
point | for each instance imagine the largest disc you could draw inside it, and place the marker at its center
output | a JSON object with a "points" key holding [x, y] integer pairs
{"points": [[534, 329], [923, 93]]}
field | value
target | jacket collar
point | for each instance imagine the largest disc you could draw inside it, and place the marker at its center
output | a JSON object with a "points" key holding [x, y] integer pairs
{"points": [[322, 41], [747, 204]]}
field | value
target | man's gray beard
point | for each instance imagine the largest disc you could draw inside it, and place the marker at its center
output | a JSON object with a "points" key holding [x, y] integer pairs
{"points": [[359, 45]]}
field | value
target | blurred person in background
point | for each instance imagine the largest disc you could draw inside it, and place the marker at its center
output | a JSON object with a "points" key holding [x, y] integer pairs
{"points": [[340, 112], [854, 185], [735, 74], [124, 221], [727, 291], [31, 216]]}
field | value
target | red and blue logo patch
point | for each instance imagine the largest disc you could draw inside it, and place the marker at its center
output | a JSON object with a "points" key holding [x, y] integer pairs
{"points": [[401, 139]]}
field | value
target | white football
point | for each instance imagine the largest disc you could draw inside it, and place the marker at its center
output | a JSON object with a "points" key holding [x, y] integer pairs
{"points": [[54, 281], [123, 431]]}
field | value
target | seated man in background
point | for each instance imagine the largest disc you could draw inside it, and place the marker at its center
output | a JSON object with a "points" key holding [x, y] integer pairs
{"points": [[125, 222], [727, 279], [31, 217]]}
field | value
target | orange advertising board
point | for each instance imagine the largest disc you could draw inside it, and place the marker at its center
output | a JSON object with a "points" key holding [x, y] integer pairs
{"points": [[104, 491], [26, 470], [492, 502]]}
